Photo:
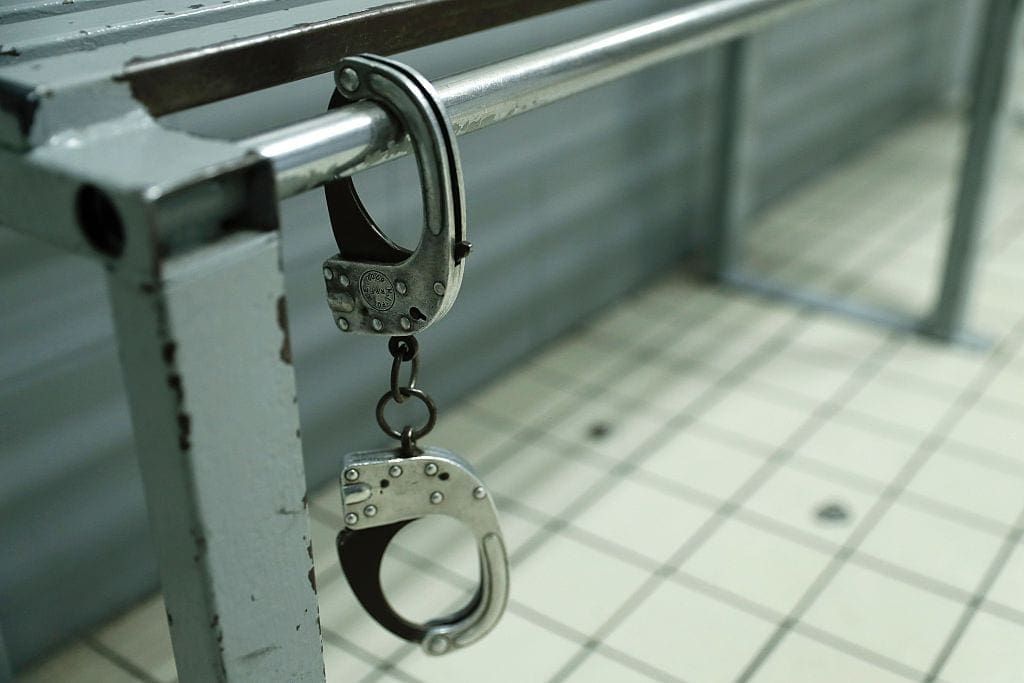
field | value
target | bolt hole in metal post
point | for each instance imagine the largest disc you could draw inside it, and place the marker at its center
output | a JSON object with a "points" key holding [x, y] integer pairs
{"points": [[100, 221], [437, 539]]}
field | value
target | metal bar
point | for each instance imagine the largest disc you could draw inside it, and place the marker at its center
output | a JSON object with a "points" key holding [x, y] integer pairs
{"points": [[997, 43], [207, 365], [734, 175], [339, 143], [6, 670], [173, 82]]}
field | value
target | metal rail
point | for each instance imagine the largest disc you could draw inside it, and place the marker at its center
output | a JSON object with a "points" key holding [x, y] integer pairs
{"points": [[340, 143], [169, 83]]}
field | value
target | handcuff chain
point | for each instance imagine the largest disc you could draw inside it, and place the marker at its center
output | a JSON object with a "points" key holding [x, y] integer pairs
{"points": [[405, 349]]}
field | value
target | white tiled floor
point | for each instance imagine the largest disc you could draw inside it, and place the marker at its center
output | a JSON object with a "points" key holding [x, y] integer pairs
{"points": [[749, 491]]}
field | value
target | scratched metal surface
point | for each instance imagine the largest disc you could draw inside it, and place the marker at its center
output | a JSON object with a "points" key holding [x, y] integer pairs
{"points": [[569, 207]]}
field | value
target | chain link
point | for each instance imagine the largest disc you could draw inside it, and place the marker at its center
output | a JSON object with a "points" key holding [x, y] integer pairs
{"points": [[405, 350]]}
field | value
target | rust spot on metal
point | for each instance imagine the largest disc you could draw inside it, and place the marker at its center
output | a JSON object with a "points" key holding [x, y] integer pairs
{"points": [[312, 579], [215, 621], [309, 549], [174, 382], [184, 431], [260, 652], [200, 544], [168, 352], [170, 619], [282, 321]]}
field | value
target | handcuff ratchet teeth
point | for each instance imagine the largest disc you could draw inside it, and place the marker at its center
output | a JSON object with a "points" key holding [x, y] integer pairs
{"points": [[382, 492], [374, 286]]}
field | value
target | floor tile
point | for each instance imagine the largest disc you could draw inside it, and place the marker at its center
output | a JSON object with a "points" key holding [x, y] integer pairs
{"points": [[764, 568], [643, 519], [691, 636], [142, 637], [611, 428], [575, 584], [1008, 588], [80, 664], [952, 364], [799, 658], [597, 668], [893, 618], [521, 395], [908, 406], [951, 477], [768, 420], [811, 380], [468, 433], [998, 433], [515, 651], [939, 548], [544, 478], [342, 666], [990, 650], [1007, 387], [701, 462], [840, 336], [667, 388], [863, 452], [812, 504], [574, 358]]}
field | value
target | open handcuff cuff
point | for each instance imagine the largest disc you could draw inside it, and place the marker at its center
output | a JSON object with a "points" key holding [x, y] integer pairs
{"points": [[375, 286]]}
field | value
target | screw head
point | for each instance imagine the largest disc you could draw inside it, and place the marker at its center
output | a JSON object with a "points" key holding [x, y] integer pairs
{"points": [[370, 510], [343, 280], [351, 474], [395, 471], [328, 274], [377, 324], [351, 518], [436, 497], [405, 323], [479, 493], [348, 79], [343, 324], [430, 469], [401, 288], [439, 288], [345, 302], [439, 645]]}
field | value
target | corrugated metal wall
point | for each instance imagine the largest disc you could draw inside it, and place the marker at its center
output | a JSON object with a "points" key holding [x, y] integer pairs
{"points": [[570, 207]]}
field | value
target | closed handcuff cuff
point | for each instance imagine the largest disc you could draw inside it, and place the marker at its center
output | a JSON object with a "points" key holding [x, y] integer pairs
{"points": [[375, 286]]}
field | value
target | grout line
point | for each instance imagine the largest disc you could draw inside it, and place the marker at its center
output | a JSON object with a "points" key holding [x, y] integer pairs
{"points": [[540, 432], [118, 660], [993, 572], [927, 448], [752, 484], [818, 416]]}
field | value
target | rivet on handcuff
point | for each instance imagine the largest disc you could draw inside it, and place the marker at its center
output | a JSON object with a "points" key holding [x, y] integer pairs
{"points": [[376, 287]]}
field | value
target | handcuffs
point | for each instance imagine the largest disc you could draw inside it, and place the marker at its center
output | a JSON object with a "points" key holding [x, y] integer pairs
{"points": [[375, 286]]}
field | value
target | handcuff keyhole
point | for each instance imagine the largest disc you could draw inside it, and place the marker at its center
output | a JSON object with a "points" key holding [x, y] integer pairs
{"points": [[416, 314], [443, 476]]}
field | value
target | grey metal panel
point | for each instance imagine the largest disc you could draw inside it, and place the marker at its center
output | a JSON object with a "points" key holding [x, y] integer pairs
{"points": [[569, 207]]}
